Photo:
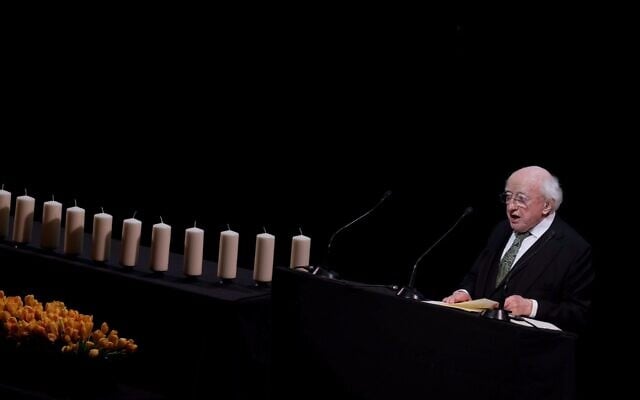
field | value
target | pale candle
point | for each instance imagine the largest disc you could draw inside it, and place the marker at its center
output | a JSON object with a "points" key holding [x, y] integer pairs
{"points": [[74, 230], [193, 250], [228, 254], [300, 251], [263, 262], [51, 220], [131, 231], [160, 245], [23, 221], [5, 208], [101, 237]]}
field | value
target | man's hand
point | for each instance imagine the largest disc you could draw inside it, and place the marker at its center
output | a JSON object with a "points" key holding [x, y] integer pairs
{"points": [[518, 305], [457, 297]]}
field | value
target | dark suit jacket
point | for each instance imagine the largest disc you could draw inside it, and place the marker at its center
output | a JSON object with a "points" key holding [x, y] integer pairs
{"points": [[556, 271]]}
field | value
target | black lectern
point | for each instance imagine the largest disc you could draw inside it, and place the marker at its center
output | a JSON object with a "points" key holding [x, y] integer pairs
{"points": [[339, 338]]}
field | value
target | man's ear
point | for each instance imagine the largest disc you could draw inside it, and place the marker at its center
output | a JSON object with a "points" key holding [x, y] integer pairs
{"points": [[548, 207]]}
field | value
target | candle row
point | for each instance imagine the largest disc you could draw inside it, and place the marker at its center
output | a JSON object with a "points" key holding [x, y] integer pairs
{"points": [[131, 232]]}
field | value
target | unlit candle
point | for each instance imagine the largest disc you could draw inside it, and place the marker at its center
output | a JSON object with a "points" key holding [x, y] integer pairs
{"points": [[5, 208], [160, 246], [101, 237], [228, 254], [193, 251], [131, 230], [263, 262], [23, 221], [74, 230], [300, 251], [51, 220]]}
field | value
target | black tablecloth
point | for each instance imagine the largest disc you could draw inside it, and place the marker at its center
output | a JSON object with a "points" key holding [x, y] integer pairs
{"points": [[196, 337]]}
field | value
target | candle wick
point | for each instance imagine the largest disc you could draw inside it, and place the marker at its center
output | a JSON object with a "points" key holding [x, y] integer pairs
{"points": [[300, 229], [53, 198], [161, 221], [228, 227], [264, 229], [134, 213], [25, 191], [102, 208], [75, 202], [2, 187], [194, 223]]}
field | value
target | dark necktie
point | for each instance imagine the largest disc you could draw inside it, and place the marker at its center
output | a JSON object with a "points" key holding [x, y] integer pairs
{"points": [[510, 256]]}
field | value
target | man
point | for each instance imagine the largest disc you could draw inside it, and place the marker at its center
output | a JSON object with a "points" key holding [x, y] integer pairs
{"points": [[534, 263]]}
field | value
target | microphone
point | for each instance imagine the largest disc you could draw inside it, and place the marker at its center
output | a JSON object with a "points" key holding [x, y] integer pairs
{"points": [[331, 274], [409, 291]]}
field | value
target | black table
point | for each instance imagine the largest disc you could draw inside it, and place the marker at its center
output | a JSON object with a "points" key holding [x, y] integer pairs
{"points": [[196, 337], [339, 338]]}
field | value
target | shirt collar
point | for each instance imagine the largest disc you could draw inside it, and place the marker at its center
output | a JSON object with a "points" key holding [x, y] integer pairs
{"points": [[543, 225]]}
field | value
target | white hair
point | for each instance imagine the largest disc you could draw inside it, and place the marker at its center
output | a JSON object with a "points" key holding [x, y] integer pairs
{"points": [[551, 190]]}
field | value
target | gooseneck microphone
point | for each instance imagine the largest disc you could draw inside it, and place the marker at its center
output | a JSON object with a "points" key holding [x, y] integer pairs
{"points": [[409, 291], [382, 200], [331, 274]]}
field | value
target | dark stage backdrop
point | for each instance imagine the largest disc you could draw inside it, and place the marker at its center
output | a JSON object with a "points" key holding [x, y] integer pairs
{"points": [[254, 121], [251, 121]]}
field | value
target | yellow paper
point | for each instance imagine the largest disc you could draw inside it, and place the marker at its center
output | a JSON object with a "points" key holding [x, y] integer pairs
{"points": [[477, 305]]}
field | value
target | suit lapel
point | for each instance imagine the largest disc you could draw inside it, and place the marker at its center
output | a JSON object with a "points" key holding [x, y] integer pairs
{"points": [[528, 269]]}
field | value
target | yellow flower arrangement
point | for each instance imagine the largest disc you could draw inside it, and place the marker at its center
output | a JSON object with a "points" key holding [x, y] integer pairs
{"points": [[21, 321]]}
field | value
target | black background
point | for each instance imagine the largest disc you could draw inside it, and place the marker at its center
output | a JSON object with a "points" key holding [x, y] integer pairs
{"points": [[299, 118], [233, 117]]}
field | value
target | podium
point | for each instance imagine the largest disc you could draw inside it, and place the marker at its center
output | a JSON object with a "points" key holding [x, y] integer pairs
{"points": [[343, 338]]}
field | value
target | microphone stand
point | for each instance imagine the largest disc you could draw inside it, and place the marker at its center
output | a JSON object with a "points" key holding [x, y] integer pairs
{"points": [[323, 272], [497, 313], [409, 291], [499, 294], [317, 270], [327, 273]]}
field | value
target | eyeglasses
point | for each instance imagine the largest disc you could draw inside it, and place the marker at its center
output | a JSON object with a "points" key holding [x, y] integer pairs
{"points": [[520, 199]]}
